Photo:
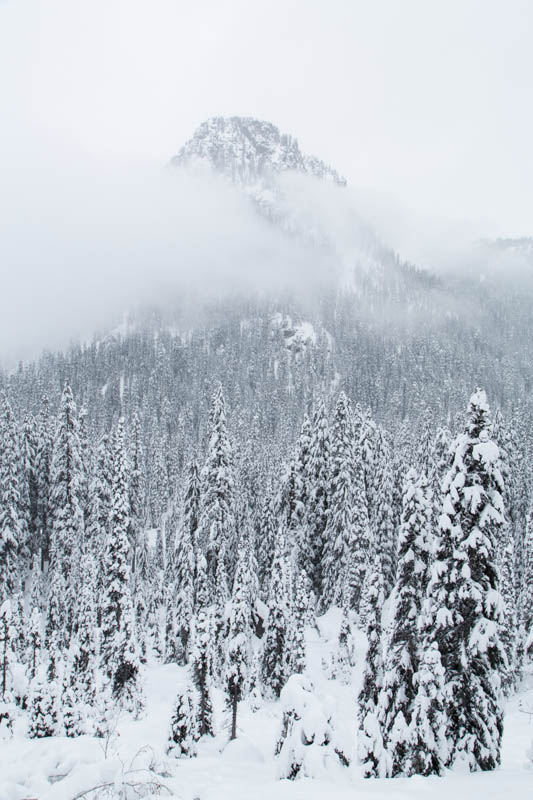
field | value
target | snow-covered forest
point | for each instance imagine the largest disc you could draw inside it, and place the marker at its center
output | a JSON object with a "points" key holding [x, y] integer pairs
{"points": [[129, 542], [266, 441]]}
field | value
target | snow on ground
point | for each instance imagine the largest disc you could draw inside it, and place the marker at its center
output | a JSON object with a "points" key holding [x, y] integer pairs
{"points": [[60, 768]]}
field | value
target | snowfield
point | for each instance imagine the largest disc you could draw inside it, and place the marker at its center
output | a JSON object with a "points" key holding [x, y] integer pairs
{"points": [[60, 768]]}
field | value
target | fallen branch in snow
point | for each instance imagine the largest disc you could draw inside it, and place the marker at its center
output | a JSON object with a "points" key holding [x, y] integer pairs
{"points": [[124, 784], [528, 711], [141, 789]]}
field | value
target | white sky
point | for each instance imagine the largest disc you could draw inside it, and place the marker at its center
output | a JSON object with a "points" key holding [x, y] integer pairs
{"points": [[426, 103]]}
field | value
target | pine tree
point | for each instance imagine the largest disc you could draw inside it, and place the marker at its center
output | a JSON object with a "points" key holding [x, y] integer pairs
{"points": [[427, 741], [217, 515], [66, 511], [290, 513], [99, 500], [28, 481], [137, 490], [43, 708], [202, 655], [11, 519], [119, 646], [307, 741], [56, 621], [6, 645], [343, 658], [299, 619], [43, 461], [85, 659], [183, 729], [239, 652], [527, 591], [276, 640], [347, 535], [71, 709], [266, 535], [191, 508], [383, 510], [509, 632], [397, 694], [318, 503], [370, 738], [466, 604], [34, 642], [185, 566], [37, 587]]}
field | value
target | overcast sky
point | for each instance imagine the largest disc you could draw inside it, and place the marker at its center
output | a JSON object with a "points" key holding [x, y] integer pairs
{"points": [[425, 105], [427, 102]]}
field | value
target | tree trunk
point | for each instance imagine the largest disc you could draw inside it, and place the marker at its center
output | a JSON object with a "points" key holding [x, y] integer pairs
{"points": [[234, 703]]}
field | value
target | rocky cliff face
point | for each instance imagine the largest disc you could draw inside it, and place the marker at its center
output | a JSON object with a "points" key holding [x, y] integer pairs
{"points": [[249, 151]]}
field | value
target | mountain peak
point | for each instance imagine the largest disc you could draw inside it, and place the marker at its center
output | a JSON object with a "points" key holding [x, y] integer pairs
{"points": [[248, 150]]}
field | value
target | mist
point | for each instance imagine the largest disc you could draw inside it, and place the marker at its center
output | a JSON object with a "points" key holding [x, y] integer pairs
{"points": [[82, 243]]}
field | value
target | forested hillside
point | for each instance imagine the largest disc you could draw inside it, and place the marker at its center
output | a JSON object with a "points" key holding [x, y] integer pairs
{"points": [[213, 490]]}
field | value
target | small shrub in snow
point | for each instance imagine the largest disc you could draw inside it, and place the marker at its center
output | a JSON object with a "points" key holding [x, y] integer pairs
{"points": [[43, 708], [73, 718], [183, 729], [307, 741]]}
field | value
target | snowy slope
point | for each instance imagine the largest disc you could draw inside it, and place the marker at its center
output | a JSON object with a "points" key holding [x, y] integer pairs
{"points": [[61, 768]]}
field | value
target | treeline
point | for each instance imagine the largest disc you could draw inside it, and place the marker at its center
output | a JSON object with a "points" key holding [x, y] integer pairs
{"points": [[246, 553]]}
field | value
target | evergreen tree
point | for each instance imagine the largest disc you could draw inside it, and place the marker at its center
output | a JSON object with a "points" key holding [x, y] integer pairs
{"points": [[43, 461], [239, 653], [191, 508], [71, 709], [276, 640], [427, 742], [414, 556], [28, 481], [43, 708], [6, 646], [56, 620], [299, 619], [318, 502], [183, 730], [85, 657], [371, 750], [202, 655], [137, 489], [66, 511], [466, 604], [34, 642], [307, 741], [509, 631], [265, 538], [185, 566], [11, 518], [383, 510], [119, 647], [347, 535], [217, 515]]}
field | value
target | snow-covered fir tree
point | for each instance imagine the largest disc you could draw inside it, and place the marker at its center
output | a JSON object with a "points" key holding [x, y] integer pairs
{"points": [[401, 661], [202, 653], [370, 747], [239, 645], [307, 740], [428, 748], [466, 607], [183, 733], [217, 513], [276, 639], [12, 528], [119, 647]]}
